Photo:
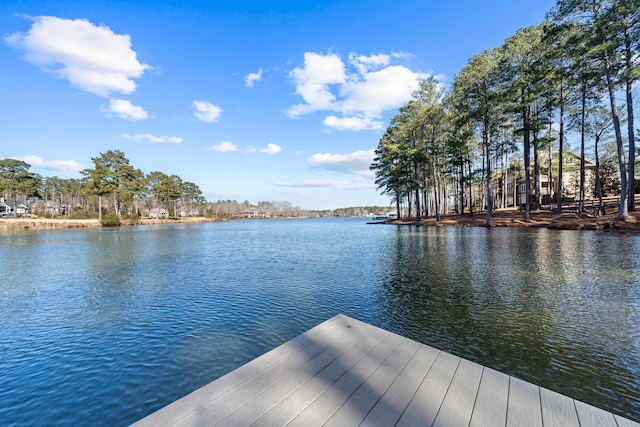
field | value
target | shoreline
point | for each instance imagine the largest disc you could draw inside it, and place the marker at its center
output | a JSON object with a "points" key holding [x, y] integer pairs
{"points": [[501, 218], [27, 224], [538, 219]]}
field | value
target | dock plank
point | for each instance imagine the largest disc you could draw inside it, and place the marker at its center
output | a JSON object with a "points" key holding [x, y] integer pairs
{"points": [[290, 407], [391, 405], [356, 408], [558, 410], [590, 415], [346, 372], [491, 404], [625, 422], [458, 403], [524, 407], [218, 410], [424, 407], [340, 391], [261, 394], [267, 398]]}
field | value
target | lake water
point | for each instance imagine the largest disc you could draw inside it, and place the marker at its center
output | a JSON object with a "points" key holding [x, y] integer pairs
{"points": [[108, 325]]}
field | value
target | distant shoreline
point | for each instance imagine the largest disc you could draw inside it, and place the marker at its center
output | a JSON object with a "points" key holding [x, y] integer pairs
{"points": [[25, 224], [501, 218]]}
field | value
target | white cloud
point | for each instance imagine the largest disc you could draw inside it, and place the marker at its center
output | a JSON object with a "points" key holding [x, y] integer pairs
{"points": [[92, 58], [55, 165], [365, 63], [206, 111], [323, 183], [360, 90], [402, 55], [224, 146], [314, 80], [154, 138], [271, 149], [252, 78], [352, 123], [353, 163], [376, 91], [125, 110]]}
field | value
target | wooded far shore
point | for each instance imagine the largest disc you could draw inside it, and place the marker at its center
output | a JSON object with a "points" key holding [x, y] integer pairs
{"points": [[501, 218]]}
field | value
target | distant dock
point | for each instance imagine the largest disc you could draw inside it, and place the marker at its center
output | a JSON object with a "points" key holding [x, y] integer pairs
{"points": [[344, 372]]}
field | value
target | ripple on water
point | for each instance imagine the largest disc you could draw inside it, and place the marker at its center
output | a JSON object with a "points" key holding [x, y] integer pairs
{"points": [[115, 325]]}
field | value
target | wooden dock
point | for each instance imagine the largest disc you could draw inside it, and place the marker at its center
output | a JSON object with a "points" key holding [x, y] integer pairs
{"points": [[345, 372]]}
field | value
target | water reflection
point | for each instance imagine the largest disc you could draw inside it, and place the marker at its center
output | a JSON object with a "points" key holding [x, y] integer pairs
{"points": [[549, 307]]}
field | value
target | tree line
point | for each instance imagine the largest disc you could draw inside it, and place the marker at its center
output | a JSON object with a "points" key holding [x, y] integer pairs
{"points": [[564, 75], [112, 185]]}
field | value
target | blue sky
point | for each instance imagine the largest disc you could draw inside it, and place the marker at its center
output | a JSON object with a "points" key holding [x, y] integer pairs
{"points": [[251, 100]]}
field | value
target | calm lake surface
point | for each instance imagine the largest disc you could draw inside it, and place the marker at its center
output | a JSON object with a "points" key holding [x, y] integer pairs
{"points": [[108, 325]]}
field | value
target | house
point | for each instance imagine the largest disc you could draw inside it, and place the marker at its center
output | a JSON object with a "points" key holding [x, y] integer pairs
{"points": [[9, 207], [48, 208], [5, 208], [188, 213], [570, 178], [157, 213], [516, 187], [255, 214]]}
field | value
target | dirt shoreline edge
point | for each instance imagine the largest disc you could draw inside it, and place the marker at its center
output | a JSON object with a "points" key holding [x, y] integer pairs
{"points": [[25, 224], [538, 219]]}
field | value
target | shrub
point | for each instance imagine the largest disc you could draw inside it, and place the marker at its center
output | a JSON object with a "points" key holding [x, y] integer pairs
{"points": [[132, 216], [84, 214], [110, 220]]}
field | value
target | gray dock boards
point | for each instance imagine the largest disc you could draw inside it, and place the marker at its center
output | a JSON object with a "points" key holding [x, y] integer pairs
{"points": [[345, 372]]}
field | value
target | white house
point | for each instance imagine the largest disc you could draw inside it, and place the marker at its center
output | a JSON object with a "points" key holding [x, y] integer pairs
{"points": [[8, 207]]}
